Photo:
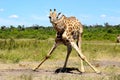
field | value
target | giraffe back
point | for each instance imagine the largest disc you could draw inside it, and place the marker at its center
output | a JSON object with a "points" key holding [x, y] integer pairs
{"points": [[70, 23]]}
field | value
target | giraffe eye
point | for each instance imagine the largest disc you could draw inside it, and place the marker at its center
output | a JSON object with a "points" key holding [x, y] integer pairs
{"points": [[50, 17]]}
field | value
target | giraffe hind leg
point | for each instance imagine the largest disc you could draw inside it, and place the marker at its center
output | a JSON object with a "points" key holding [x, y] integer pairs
{"points": [[69, 49]]}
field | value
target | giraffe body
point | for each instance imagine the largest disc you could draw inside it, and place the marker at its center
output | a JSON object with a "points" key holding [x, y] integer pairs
{"points": [[69, 30], [71, 26]]}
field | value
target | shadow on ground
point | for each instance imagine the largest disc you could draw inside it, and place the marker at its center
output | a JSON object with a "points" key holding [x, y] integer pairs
{"points": [[68, 70]]}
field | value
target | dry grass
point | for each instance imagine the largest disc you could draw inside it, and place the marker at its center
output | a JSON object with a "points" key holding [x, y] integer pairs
{"points": [[31, 49]]}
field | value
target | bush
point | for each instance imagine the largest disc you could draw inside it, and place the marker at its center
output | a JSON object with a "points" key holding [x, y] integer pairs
{"points": [[95, 32]]}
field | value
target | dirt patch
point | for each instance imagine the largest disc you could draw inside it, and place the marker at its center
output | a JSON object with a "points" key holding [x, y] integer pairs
{"points": [[22, 74], [107, 63], [23, 71]]}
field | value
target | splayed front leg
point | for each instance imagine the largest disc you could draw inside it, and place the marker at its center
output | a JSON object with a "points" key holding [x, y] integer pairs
{"points": [[48, 55], [83, 57], [82, 67]]}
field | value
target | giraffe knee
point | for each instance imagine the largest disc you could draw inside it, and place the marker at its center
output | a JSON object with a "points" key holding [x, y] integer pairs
{"points": [[82, 57], [47, 57]]}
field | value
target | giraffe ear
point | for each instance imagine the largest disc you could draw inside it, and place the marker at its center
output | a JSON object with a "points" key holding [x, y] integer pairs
{"points": [[58, 14]]}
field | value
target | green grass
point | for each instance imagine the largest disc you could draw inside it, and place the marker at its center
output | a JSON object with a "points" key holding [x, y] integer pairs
{"points": [[16, 50], [97, 50]]}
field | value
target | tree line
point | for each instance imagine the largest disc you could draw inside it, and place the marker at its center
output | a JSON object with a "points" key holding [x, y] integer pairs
{"points": [[91, 32]]}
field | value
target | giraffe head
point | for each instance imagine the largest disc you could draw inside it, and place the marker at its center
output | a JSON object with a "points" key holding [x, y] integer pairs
{"points": [[53, 16]]}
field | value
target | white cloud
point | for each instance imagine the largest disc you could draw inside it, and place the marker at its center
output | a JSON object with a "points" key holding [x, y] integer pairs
{"points": [[1, 9], [14, 16], [103, 16]]}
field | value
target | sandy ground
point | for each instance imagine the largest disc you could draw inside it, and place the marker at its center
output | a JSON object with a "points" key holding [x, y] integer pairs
{"points": [[23, 71]]}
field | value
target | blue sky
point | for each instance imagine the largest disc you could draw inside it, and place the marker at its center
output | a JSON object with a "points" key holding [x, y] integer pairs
{"points": [[29, 12]]}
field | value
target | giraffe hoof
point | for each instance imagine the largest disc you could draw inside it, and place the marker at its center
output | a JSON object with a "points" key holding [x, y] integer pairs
{"points": [[35, 69], [82, 71], [98, 72]]}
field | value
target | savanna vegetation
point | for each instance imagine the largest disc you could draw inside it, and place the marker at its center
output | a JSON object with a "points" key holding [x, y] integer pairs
{"points": [[91, 32], [31, 43], [20, 43]]}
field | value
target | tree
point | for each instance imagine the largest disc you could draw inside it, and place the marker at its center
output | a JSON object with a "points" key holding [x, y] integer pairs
{"points": [[20, 28], [3, 27], [107, 25]]}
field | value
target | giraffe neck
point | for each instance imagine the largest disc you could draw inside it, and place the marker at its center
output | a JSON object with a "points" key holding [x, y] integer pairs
{"points": [[59, 24], [61, 19]]}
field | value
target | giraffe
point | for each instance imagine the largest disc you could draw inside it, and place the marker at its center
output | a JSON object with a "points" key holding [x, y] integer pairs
{"points": [[118, 38], [69, 30]]}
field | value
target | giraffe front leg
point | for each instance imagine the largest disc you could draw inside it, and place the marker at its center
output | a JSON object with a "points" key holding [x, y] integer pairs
{"points": [[83, 57], [67, 35], [82, 66], [48, 55], [81, 61], [79, 42]]}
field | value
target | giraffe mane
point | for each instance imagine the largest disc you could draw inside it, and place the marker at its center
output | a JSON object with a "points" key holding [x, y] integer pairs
{"points": [[60, 19]]}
